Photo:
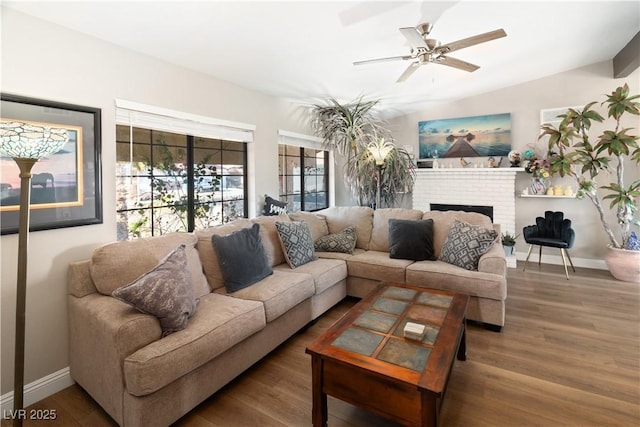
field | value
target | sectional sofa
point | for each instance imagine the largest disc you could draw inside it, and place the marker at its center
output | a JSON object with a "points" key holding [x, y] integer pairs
{"points": [[143, 374]]}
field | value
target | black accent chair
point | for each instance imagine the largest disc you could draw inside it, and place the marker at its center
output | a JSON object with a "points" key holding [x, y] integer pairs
{"points": [[553, 231]]}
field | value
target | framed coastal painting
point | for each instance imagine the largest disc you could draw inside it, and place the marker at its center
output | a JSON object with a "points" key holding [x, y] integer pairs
{"points": [[477, 136], [66, 187]]}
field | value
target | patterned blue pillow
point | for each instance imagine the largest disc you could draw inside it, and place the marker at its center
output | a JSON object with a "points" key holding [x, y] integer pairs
{"points": [[296, 241], [344, 241], [465, 244]]}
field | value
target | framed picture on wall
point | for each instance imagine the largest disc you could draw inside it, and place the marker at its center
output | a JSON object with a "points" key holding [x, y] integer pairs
{"points": [[477, 136], [66, 187]]}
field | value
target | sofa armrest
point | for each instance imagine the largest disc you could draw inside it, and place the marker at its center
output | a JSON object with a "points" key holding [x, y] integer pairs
{"points": [[493, 261], [79, 282], [103, 331]]}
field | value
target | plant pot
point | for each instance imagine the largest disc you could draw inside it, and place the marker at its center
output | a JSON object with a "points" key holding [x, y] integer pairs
{"points": [[623, 264], [508, 250]]}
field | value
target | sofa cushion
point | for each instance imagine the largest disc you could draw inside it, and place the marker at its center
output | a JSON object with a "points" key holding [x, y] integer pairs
{"points": [[242, 259], [380, 232], [117, 264], [344, 241], [207, 253], [411, 239], [219, 323], [296, 241], [466, 243], [279, 292], [361, 217], [325, 272], [165, 292], [377, 266], [441, 275], [443, 220], [317, 223], [270, 239], [339, 255]]}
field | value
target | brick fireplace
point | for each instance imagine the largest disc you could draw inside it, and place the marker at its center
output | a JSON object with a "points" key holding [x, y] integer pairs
{"points": [[493, 187]]}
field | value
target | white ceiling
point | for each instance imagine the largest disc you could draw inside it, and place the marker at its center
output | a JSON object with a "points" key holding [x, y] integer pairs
{"points": [[304, 50]]}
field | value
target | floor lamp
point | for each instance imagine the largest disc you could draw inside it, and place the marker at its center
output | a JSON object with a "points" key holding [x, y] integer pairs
{"points": [[379, 150], [26, 144]]}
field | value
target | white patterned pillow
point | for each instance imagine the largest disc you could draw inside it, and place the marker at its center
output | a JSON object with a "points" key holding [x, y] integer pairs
{"points": [[465, 244], [296, 241], [344, 241]]}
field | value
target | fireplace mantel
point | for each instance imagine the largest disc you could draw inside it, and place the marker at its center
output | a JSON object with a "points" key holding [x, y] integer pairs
{"points": [[471, 170], [470, 186]]}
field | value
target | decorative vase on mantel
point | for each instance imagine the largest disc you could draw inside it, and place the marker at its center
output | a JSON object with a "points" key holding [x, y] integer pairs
{"points": [[538, 186]]}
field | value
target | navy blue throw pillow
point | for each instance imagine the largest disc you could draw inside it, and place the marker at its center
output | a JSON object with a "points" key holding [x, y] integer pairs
{"points": [[242, 259], [411, 239]]}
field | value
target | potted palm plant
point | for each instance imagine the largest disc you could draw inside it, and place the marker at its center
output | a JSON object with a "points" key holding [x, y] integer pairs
{"points": [[574, 152], [350, 129]]}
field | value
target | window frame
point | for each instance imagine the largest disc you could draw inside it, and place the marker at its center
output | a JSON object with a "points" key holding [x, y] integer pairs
{"points": [[303, 142]]}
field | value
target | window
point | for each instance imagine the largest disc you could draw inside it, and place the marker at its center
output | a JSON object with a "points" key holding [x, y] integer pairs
{"points": [[304, 177], [169, 182]]}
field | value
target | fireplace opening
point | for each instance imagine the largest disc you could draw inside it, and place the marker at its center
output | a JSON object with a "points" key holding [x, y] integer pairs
{"points": [[485, 210]]}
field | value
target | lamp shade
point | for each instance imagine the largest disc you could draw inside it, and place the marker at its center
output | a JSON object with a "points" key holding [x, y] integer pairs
{"points": [[380, 150], [28, 141]]}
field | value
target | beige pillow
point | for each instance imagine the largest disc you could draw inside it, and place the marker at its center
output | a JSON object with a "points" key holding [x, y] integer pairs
{"points": [[165, 292], [361, 217], [317, 223], [117, 264], [270, 239]]}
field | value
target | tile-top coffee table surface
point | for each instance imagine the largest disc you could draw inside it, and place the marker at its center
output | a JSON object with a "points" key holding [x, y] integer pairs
{"points": [[366, 351]]}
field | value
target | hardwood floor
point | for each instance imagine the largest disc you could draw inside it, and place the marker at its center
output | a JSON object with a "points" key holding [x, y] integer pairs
{"points": [[569, 355]]}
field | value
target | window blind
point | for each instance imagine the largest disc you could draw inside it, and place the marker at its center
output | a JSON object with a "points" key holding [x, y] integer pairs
{"points": [[150, 117]]}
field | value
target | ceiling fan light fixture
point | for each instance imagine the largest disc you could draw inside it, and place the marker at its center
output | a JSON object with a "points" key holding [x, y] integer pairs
{"points": [[432, 43], [425, 50], [425, 29]]}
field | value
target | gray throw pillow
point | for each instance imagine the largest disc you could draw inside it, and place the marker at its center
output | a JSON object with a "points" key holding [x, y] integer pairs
{"points": [[165, 292], [296, 241], [465, 244], [242, 258], [411, 239], [344, 241]]}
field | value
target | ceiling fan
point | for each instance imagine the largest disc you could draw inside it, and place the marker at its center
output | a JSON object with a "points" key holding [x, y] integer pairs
{"points": [[425, 50]]}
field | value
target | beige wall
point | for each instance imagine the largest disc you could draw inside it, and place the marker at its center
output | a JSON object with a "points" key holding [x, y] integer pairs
{"points": [[42, 60], [524, 102]]}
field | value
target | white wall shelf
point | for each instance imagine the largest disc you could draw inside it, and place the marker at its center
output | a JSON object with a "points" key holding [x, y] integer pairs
{"points": [[547, 197]]}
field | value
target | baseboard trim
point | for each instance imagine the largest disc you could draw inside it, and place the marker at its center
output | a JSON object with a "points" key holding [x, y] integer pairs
{"points": [[39, 389], [597, 264]]}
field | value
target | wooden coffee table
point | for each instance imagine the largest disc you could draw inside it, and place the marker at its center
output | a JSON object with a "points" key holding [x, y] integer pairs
{"points": [[364, 359]]}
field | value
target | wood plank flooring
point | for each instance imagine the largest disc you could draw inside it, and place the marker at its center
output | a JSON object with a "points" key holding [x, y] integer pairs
{"points": [[569, 355]]}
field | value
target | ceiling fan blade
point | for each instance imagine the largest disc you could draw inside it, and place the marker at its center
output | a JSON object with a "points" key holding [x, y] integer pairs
{"points": [[470, 41], [390, 58], [413, 37], [407, 73], [457, 63]]}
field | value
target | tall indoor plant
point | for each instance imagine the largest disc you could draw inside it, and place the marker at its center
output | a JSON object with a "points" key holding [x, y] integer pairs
{"points": [[349, 129], [574, 152]]}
